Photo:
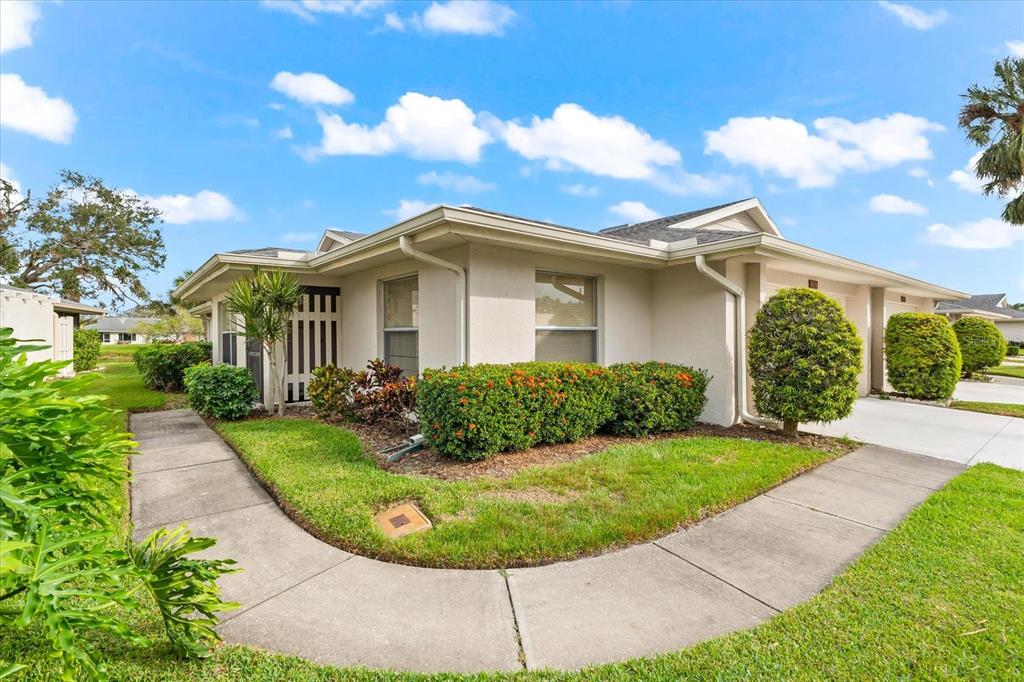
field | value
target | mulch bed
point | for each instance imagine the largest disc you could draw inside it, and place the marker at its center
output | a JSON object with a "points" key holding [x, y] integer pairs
{"points": [[427, 462]]}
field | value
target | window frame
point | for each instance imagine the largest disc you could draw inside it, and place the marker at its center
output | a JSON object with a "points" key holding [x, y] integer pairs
{"points": [[595, 328], [386, 330]]}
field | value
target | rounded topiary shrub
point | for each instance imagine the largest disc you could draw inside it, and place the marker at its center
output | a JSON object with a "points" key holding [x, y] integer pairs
{"points": [[981, 343], [220, 391], [1012, 351], [922, 357], [86, 349], [163, 365], [805, 359]]}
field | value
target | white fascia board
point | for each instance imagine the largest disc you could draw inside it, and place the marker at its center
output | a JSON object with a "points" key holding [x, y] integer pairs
{"points": [[211, 268], [752, 206]]}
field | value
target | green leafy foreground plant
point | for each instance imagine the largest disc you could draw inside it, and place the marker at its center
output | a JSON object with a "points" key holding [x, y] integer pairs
{"points": [[62, 468]]}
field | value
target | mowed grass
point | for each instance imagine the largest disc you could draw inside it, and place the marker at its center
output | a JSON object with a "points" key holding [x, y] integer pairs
{"points": [[939, 597], [1004, 409], [1007, 371], [621, 496], [123, 386], [119, 352]]}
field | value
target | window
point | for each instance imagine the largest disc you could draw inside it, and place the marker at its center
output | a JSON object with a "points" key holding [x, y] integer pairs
{"points": [[566, 318], [228, 334], [401, 323]]}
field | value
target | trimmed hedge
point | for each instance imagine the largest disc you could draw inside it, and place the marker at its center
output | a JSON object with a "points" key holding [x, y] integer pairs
{"points": [[86, 351], [656, 396], [1012, 350], [220, 391], [981, 343], [805, 359], [471, 413], [163, 366], [922, 356]]}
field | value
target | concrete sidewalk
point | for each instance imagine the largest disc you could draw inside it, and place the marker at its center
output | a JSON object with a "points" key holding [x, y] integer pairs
{"points": [[958, 435], [303, 597]]}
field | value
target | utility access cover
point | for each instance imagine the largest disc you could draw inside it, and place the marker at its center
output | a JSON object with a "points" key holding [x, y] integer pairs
{"points": [[401, 520]]}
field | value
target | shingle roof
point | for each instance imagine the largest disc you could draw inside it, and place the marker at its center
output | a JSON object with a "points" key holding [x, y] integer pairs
{"points": [[986, 302], [345, 234], [662, 230], [270, 251]]}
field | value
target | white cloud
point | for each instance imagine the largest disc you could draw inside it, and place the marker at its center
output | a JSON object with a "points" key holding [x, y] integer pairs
{"points": [[913, 17], [7, 174], [407, 208], [16, 19], [917, 173], [181, 209], [308, 203], [299, 237], [308, 9], [890, 203], [603, 145], [987, 233], [1016, 47], [470, 17], [421, 126], [29, 109], [394, 22], [460, 183], [634, 211], [580, 190], [787, 148], [788, 221], [285, 133], [311, 88], [966, 179]]}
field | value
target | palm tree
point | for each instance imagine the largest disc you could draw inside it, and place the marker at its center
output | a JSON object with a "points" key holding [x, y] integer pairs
{"points": [[266, 302], [994, 117]]}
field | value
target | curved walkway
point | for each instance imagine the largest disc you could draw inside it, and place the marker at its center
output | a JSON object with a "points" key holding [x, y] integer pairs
{"points": [[303, 597]]}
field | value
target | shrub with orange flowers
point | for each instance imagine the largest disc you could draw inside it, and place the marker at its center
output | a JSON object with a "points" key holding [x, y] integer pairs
{"points": [[471, 413], [656, 396]]}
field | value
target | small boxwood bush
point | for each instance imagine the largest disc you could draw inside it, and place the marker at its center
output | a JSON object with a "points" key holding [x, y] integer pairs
{"points": [[162, 365], [1012, 350], [473, 412], [922, 356], [981, 343], [86, 349], [656, 396], [220, 391], [805, 359]]}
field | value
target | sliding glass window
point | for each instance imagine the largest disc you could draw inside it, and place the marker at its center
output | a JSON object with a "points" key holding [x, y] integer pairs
{"points": [[401, 324], [566, 317]]}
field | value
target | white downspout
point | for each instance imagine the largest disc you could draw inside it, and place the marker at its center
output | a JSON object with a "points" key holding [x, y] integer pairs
{"points": [[405, 244], [741, 345]]}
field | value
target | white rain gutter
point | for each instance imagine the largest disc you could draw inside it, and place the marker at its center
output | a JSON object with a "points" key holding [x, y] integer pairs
{"points": [[741, 345], [405, 244]]}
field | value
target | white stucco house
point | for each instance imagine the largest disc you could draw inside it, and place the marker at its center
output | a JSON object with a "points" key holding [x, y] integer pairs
{"points": [[465, 285], [994, 307], [122, 329], [49, 319]]}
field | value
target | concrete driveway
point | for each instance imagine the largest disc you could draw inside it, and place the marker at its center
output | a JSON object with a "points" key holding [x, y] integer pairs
{"points": [[958, 435], [1008, 390]]}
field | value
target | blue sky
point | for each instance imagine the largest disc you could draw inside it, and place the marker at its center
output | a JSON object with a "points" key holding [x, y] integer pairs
{"points": [[256, 124]]}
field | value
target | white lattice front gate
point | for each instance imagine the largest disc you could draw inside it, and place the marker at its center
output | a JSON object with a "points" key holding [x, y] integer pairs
{"points": [[313, 340]]}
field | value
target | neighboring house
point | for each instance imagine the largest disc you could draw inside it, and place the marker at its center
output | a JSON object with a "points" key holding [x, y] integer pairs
{"points": [[121, 329], [992, 307], [38, 316], [464, 285]]}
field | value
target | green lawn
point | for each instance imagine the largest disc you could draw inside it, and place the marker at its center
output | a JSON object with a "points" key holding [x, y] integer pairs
{"points": [[1005, 371], [1005, 409], [120, 381], [621, 496]]}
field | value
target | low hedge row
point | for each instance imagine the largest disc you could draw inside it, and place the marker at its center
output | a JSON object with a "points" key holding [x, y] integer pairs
{"points": [[163, 365], [473, 412], [922, 356], [86, 353]]}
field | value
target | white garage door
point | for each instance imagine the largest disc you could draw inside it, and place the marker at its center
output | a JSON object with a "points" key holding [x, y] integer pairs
{"points": [[893, 308], [838, 298]]}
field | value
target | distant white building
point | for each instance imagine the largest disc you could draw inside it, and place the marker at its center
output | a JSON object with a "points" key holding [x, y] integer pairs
{"points": [[121, 329], [992, 307], [40, 317]]}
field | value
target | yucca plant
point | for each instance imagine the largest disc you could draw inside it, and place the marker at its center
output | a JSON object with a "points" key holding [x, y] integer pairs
{"points": [[63, 565], [266, 302]]}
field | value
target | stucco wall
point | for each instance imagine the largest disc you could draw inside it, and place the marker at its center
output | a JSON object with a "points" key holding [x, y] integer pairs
{"points": [[362, 310], [695, 321], [31, 316], [502, 306], [1013, 331]]}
